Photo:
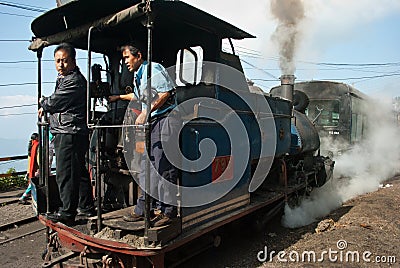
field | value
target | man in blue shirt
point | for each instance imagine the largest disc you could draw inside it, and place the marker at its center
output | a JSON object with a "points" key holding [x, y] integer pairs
{"points": [[162, 103]]}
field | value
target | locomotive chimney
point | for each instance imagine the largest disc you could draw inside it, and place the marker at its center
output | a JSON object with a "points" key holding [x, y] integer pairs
{"points": [[287, 87]]}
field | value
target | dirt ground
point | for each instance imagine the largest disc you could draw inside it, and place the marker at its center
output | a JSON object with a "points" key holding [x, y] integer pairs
{"points": [[367, 226], [365, 231]]}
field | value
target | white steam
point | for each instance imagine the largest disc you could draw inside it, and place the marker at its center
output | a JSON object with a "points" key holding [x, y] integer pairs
{"points": [[373, 161]]}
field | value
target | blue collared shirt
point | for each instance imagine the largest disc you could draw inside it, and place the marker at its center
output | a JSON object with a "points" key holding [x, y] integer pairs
{"points": [[160, 81]]}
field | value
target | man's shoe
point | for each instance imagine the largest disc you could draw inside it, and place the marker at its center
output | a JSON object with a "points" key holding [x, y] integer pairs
{"points": [[132, 217], [91, 212], [59, 217], [161, 220]]}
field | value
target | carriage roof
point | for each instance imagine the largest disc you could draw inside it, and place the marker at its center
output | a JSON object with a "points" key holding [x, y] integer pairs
{"points": [[325, 89], [328, 89]]}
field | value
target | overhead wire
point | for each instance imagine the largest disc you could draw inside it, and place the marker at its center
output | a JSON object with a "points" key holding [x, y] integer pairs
{"points": [[24, 7], [16, 114], [245, 48], [370, 65], [14, 40], [357, 65], [18, 15], [260, 69], [360, 64], [382, 72], [22, 61], [333, 66], [367, 77], [24, 84], [251, 53], [17, 106], [33, 61]]}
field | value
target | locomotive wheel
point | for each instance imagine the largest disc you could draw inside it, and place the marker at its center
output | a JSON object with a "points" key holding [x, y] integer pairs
{"points": [[296, 198]]}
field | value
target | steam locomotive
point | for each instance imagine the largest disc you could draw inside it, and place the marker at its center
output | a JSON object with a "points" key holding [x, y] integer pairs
{"points": [[241, 150]]}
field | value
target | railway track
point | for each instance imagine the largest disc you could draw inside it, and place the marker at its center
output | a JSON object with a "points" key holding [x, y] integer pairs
{"points": [[22, 235], [17, 221]]}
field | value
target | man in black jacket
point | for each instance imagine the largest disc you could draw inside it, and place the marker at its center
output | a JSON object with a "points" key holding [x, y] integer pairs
{"points": [[67, 108]]}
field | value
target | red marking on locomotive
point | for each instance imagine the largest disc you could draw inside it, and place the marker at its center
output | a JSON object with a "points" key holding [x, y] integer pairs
{"points": [[222, 168]]}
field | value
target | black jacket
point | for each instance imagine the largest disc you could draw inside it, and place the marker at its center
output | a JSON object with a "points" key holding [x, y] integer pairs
{"points": [[67, 105]]}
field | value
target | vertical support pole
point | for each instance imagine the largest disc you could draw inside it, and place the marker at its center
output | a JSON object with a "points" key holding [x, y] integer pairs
{"points": [[98, 179], [232, 46], [89, 121], [89, 63], [44, 164], [43, 178], [39, 55], [149, 26]]}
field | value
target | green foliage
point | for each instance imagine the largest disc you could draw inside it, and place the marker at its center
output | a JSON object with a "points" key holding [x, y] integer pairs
{"points": [[13, 181]]}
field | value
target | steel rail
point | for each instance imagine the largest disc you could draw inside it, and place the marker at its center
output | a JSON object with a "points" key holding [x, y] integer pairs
{"points": [[10, 225], [22, 235]]}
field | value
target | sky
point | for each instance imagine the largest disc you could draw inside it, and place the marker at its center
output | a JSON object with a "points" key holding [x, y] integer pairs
{"points": [[354, 42]]}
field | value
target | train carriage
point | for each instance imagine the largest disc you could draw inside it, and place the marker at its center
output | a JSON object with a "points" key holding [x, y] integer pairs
{"points": [[257, 156], [338, 111]]}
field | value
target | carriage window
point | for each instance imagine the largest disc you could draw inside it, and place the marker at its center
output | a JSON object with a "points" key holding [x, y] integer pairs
{"points": [[326, 112], [358, 119], [357, 127], [189, 66]]}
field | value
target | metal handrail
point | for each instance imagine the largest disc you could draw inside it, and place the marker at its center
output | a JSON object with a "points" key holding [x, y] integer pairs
{"points": [[12, 174], [11, 158]]}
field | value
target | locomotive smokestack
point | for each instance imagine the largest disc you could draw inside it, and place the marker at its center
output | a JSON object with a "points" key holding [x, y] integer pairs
{"points": [[287, 86]]}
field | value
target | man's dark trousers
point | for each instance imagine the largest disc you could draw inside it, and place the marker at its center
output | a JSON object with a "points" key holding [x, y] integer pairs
{"points": [[72, 176], [162, 128]]}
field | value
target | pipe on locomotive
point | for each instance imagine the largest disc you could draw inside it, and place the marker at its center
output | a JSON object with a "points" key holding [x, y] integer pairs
{"points": [[287, 84]]}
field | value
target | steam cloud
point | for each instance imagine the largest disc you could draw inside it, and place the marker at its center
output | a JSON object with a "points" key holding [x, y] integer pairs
{"points": [[373, 161], [289, 14]]}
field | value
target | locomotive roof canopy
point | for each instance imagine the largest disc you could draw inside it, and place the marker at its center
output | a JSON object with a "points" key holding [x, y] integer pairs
{"points": [[116, 19], [76, 13]]}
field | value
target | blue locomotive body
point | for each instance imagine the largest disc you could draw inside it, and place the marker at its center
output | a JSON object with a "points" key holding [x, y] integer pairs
{"points": [[279, 116]]}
